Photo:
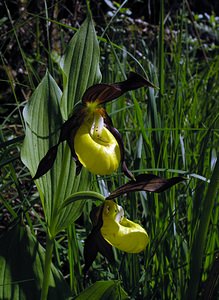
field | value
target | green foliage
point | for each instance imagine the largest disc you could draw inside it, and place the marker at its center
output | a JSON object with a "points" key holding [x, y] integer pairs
{"points": [[104, 290], [169, 131], [22, 268], [50, 104], [80, 66], [44, 103]]}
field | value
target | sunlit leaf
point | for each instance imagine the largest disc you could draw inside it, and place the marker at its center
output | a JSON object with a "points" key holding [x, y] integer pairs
{"points": [[43, 120], [80, 66], [68, 212]]}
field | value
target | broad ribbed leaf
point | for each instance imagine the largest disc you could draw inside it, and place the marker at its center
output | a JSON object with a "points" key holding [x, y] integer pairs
{"points": [[69, 213], [43, 121], [104, 290], [80, 65], [22, 268], [44, 114]]}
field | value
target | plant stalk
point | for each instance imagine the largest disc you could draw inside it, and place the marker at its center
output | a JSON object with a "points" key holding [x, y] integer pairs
{"points": [[47, 266]]}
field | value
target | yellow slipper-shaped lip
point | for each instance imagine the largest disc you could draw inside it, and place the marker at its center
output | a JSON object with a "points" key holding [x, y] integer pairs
{"points": [[120, 232], [98, 152]]}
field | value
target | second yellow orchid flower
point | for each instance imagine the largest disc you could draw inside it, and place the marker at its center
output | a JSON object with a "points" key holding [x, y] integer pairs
{"points": [[112, 228], [120, 232]]}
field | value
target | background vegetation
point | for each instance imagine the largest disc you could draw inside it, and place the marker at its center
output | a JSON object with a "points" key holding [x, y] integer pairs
{"points": [[169, 131]]}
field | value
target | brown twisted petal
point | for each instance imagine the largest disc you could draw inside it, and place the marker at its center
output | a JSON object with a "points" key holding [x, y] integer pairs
{"points": [[102, 93], [95, 242], [68, 130], [46, 162], [146, 182]]}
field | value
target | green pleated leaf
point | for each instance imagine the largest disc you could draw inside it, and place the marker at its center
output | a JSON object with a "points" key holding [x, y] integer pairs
{"points": [[80, 65], [43, 121], [70, 213], [104, 290], [47, 109], [22, 268]]}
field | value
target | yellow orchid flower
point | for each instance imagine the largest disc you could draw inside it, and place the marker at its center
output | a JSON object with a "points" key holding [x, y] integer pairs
{"points": [[94, 142], [111, 228], [96, 147], [120, 232]]}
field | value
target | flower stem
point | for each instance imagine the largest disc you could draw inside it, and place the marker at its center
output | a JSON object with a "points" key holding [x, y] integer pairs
{"points": [[47, 266]]}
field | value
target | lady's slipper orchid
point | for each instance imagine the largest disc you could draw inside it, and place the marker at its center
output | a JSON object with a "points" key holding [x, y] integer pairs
{"points": [[111, 228], [121, 232], [94, 142]]}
